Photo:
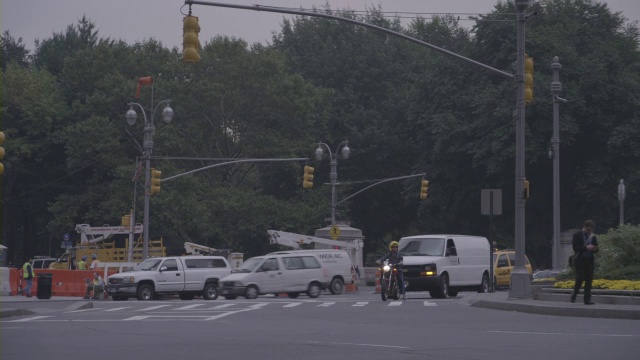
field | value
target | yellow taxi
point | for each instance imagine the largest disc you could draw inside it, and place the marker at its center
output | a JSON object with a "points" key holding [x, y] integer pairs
{"points": [[503, 264]]}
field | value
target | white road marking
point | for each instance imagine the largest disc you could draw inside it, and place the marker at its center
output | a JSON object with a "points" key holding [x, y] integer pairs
{"points": [[188, 307], [327, 304], [361, 303], [83, 310], [136, 318], [374, 345], [152, 308], [555, 333], [426, 303], [395, 303], [120, 308], [292, 304], [227, 314], [30, 319], [221, 306], [258, 305]]}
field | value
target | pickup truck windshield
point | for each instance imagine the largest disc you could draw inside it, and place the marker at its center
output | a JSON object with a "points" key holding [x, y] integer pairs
{"points": [[148, 265], [421, 247]]}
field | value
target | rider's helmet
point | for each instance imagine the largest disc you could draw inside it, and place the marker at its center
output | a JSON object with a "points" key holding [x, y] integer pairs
{"points": [[94, 256], [392, 244], [84, 257]]}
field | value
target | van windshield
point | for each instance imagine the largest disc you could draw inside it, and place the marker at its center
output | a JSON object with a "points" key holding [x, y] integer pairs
{"points": [[249, 265], [421, 247]]}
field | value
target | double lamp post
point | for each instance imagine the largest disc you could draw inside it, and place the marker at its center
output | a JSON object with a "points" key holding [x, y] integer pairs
{"points": [[333, 176], [147, 145]]}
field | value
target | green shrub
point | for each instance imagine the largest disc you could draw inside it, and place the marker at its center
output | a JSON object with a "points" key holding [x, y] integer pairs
{"points": [[619, 255]]}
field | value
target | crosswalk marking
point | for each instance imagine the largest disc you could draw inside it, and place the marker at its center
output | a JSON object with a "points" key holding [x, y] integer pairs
{"points": [[292, 305], [361, 303], [426, 303], [83, 310], [30, 318], [221, 306], [395, 303], [136, 318], [326, 304], [153, 307], [258, 305], [120, 308], [189, 307]]}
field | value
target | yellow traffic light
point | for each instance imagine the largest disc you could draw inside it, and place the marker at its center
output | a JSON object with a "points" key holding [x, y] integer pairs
{"points": [[525, 189], [528, 80], [1, 152], [307, 178], [155, 181], [424, 189], [190, 41]]}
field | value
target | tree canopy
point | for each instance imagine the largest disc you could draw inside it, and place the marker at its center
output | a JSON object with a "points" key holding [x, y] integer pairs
{"points": [[403, 108]]}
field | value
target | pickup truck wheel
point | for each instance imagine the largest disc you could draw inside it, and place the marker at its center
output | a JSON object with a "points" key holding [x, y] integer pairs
{"points": [[251, 292], [145, 292], [336, 287], [210, 292], [314, 290]]}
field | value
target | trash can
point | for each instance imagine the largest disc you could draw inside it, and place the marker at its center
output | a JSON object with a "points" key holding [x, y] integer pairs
{"points": [[44, 286]]}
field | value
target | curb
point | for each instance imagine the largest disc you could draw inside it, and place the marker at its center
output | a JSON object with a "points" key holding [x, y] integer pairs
{"points": [[545, 309]]}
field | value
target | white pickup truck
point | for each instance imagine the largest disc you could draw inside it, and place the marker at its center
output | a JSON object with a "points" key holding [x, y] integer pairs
{"points": [[186, 276]]}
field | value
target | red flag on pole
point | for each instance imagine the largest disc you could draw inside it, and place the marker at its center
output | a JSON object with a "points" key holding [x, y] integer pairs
{"points": [[147, 80]]}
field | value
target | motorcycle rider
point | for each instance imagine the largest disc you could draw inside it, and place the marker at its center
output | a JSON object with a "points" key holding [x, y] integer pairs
{"points": [[395, 259]]}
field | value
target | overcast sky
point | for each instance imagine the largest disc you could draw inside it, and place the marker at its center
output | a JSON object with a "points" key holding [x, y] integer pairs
{"points": [[137, 20]]}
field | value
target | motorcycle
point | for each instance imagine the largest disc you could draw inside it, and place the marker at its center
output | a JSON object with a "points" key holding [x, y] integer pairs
{"points": [[389, 281]]}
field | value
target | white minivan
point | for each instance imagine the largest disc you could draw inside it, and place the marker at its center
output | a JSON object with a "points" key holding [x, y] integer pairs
{"points": [[445, 264], [273, 274], [336, 266]]}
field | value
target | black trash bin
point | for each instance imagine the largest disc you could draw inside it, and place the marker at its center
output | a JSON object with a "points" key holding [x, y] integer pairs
{"points": [[44, 286]]}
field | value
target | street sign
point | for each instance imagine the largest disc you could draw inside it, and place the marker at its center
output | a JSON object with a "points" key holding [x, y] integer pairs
{"points": [[334, 232], [491, 202]]}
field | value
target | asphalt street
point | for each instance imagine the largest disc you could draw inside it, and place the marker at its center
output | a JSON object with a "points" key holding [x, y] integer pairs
{"points": [[350, 326]]}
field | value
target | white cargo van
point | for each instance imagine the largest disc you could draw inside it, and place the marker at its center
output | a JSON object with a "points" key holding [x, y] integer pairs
{"points": [[336, 266], [273, 274], [445, 264]]}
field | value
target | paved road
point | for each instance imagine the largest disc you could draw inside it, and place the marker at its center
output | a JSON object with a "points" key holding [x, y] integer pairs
{"points": [[351, 326]]}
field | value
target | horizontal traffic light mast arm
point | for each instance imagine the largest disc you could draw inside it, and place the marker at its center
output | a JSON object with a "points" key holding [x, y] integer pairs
{"points": [[356, 22], [233, 162], [381, 182]]}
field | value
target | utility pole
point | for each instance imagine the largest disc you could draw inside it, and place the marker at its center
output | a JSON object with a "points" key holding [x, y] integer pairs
{"points": [[520, 278]]}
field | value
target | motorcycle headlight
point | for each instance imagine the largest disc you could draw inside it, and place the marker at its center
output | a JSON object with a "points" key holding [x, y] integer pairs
{"points": [[386, 268]]}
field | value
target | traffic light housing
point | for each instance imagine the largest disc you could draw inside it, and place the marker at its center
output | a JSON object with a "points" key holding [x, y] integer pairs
{"points": [[1, 152], [155, 181], [307, 178], [528, 80], [190, 41], [424, 188], [525, 188]]}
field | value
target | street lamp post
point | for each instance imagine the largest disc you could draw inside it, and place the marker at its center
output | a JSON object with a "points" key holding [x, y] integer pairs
{"points": [[621, 195], [147, 145], [554, 153], [334, 170]]}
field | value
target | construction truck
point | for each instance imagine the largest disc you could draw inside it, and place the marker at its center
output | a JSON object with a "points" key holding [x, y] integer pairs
{"points": [[235, 259], [93, 241]]}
